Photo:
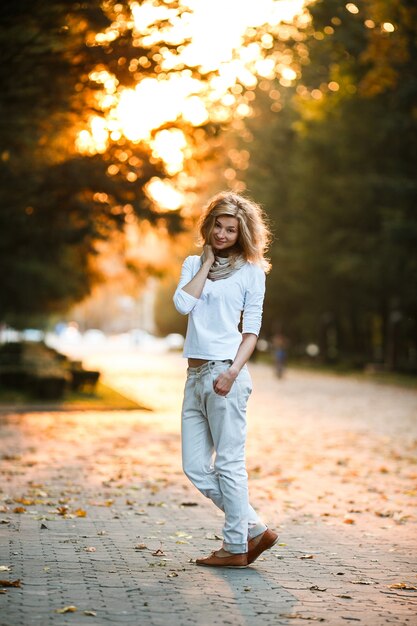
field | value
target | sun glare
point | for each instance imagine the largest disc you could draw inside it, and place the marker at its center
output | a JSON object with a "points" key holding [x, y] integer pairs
{"points": [[164, 194], [212, 36]]}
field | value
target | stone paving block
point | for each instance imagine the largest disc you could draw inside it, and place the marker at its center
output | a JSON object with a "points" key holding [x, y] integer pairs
{"points": [[128, 586]]}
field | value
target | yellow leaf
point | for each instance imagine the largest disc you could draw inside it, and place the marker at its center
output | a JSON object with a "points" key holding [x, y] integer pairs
{"points": [[67, 609], [405, 586], [81, 513]]}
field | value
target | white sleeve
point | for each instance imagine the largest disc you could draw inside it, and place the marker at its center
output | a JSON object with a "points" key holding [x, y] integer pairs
{"points": [[254, 298], [183, 301]]}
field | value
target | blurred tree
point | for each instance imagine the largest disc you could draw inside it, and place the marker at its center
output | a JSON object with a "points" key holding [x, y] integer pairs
{"points": [[64, 66], [336, 168], [54, 203]]}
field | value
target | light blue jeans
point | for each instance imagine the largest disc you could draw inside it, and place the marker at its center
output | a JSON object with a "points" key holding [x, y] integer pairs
{"points": [[213, 449]]}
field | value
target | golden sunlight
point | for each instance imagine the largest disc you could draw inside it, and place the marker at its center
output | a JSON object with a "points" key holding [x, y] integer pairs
{"points": [[213, 32], [164, 194]]}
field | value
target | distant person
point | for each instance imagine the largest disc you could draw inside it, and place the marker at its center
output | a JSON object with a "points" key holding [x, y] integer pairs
{"points": [[214, 289], [279, 347]]}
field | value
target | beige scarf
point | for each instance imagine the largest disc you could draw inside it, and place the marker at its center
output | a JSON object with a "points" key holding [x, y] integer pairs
{"points": [[223, 267]]}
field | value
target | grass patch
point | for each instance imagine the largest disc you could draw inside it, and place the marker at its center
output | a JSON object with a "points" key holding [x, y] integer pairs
{"points": [[103, 398], [395, 379]]}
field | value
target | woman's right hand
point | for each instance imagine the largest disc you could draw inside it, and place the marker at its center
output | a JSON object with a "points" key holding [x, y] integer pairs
{"points": [[208, 254]]}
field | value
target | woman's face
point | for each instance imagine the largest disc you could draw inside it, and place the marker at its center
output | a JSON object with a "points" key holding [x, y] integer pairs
{"points": [[225, 233]]}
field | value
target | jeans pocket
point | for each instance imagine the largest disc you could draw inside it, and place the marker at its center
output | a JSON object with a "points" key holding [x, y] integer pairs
{"points": [[244, 389]]}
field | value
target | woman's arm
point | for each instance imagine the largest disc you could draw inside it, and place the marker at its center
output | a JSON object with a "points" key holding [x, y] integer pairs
{"points": [[252, 318], [196, 284], [223, 383]]}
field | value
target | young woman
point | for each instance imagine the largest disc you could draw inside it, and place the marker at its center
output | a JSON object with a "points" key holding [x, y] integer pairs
{"points": [[214, 290]]}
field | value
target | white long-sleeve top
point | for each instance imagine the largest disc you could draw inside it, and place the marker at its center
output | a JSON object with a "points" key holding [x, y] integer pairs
{"points": [[214, 317]]}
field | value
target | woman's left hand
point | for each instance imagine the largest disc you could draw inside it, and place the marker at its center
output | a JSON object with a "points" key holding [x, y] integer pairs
{"points": [[224, 382]]}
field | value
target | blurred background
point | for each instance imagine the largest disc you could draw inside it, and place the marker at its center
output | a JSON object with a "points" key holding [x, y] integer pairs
{"points": [[120, 119]]}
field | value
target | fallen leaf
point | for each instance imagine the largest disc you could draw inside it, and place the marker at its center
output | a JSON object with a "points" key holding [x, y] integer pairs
{"points": [[349, 520], [362, 582], [4, 568], [80, 513], [307, 556], [19, 509], [181, 541], [213, 537], [405, 586], [299, 616], [3, 590], [62, 510], [10, 583], [4, 521], [89, 549], [67, 609], [385, 513], [91, 613], [158, 552], [247, 588], [25, 501], [172, 575]]}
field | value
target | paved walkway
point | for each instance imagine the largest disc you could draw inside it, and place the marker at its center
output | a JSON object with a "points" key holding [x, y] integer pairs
{"points": [[96, 515]]}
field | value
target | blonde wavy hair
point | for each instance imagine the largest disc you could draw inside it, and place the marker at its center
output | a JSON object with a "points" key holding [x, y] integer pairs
{"points": [[253, 233]]}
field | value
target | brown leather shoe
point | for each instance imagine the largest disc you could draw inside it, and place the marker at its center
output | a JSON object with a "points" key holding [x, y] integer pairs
{"points": [[234, 560], [267, 540]]}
